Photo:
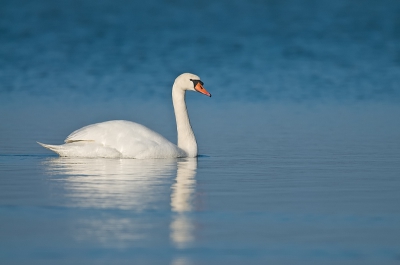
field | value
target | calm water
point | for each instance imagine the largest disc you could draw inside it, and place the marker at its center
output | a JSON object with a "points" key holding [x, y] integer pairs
{"points": [[300, 144]]}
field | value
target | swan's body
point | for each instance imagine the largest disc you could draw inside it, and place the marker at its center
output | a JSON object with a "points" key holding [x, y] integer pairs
{"points": [[117, 139], [125, 139]]}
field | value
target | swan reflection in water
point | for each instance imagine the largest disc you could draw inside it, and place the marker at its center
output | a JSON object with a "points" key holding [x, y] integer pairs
{"points": [[182, 227], [127, 184]]}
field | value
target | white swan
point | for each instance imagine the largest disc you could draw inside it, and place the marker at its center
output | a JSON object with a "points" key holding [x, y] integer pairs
{"points": [[125, 139]]}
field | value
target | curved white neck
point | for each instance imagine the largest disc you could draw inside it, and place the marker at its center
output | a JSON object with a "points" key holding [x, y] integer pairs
{"points": [[186, 139]]}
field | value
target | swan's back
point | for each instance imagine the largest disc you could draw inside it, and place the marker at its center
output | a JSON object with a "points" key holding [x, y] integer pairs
{"points": [[129, 139], [112, 131]]}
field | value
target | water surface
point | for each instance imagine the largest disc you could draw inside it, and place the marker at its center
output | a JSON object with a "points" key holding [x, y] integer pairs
{"points": [[300, 185]]}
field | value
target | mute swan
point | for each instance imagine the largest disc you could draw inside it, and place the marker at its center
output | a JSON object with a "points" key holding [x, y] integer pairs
{"points": [[126, 139]]}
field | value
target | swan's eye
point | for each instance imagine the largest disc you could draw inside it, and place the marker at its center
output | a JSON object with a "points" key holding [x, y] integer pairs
{"points": [[195, 82]]}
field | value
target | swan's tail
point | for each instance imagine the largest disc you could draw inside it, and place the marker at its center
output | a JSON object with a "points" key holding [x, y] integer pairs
{"points": [[83, 149], [55, 148]]}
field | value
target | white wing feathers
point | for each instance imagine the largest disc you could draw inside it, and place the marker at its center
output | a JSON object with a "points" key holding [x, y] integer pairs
{"points": [[130, 139]]}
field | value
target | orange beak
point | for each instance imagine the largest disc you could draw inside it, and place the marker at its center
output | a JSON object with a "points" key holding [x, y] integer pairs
{"points": [[201, 89]]}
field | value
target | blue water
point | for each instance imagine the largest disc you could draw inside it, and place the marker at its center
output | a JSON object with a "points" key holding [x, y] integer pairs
{"points": [[253, 50], [299, 145]]}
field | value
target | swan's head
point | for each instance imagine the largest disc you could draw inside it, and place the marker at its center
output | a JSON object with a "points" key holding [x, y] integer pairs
{"points": [[191, 82]]}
